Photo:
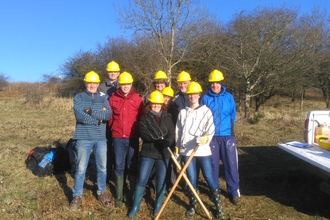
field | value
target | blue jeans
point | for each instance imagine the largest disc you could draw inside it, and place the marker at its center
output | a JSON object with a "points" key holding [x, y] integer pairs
{"points": [[146, 165], [83, 149], [126, 155], [207, 170]]}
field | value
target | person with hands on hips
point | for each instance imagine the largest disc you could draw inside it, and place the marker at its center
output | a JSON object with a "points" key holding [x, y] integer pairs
{"points": [[91, 110], [195, 128], [156, 130]]}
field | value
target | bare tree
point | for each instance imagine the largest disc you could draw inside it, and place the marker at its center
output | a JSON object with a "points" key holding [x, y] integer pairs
{"points": [[171, 24], [317, 30], [258, 40], [74, 70]]}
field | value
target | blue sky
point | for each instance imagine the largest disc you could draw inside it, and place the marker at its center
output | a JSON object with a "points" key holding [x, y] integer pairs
{"points": [[37, 36]]}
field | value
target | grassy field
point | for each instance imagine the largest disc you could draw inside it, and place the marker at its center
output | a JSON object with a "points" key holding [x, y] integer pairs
{"points": [[273, 184]]}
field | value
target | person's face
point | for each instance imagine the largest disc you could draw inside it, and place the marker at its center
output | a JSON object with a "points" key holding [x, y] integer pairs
{"points": [[167, 99], [91, 87], [113, 75], [125, 88], [215, 87], [156, 107], [160, 86], [193, 98], [183, 86]]}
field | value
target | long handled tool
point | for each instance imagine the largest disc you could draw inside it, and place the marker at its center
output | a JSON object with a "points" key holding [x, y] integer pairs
{"points": [[189, 184], [183, 170]]}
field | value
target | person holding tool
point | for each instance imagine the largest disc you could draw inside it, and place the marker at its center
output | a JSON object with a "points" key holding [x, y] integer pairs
{"points": [[91, 110], [223, 143], [194, 129], [156, 130], [159, 83]]}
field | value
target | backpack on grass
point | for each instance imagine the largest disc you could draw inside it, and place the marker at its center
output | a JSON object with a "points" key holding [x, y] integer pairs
{"points": [[39, 161], [45, 161]]}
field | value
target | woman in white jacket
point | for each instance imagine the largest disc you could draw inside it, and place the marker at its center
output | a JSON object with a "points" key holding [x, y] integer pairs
{"points": [[195, 128]]}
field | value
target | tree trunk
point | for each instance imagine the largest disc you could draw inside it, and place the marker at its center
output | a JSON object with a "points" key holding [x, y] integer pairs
{"points": [[247, 105]]}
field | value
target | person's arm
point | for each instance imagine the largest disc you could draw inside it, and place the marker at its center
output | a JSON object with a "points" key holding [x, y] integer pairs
{"points": [[80, 114], [104, 113], [145, 131]]}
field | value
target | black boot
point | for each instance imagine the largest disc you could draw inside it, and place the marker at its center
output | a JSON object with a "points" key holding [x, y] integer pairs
{"points": [[216, 199], [192, 205]]}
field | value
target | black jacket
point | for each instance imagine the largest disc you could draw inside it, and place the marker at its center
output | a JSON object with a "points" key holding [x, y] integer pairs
{"points": [[151, 132]]}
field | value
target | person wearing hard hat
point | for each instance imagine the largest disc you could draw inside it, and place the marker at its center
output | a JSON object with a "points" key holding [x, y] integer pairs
{"points": [[223, 143], [181, 98], [156, 130], [111, 83], [193, 132], [127, 107], [91, 110], [108, 88], [159, 83], [172, 109]]}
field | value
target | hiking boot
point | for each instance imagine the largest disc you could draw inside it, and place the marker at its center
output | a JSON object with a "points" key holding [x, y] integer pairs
{"points": [[235, 200], [75, 203], [105, 201]]}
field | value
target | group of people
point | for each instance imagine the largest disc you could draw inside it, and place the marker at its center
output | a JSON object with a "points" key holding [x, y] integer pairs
{"points": [[112, 117]]}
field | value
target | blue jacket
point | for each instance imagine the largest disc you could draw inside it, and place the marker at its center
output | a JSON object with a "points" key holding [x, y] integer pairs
{"points": [[91, 127], [223, 108]]}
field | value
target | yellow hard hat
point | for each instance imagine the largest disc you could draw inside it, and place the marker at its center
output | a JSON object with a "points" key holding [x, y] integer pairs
{"points": [[216, 76], [92, 77], [168, 91], [156, 97], [194, 87], [183, 77], [125, 78], [160, 75], [113, 67]]}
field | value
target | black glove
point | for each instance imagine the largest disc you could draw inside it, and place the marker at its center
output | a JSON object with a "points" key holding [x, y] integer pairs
{"points": [[88, 111], [163, 143]]}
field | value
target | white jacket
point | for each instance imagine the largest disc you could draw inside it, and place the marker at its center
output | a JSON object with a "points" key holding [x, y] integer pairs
{"points": [[193, 123]]}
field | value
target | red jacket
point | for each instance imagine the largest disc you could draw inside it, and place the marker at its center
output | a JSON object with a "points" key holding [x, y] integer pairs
{"points": [[126, 113]]}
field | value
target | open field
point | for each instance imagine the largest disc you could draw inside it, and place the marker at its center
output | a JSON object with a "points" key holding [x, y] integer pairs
{"points": [[273, 185]]}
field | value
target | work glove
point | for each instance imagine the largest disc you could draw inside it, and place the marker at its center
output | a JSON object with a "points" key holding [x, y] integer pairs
{"points": [[163, 143], [202, 139], [88, 111], [176, 153]]}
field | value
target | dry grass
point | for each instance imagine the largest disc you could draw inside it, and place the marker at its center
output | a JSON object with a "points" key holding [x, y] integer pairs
{"points": [[273, 186]]}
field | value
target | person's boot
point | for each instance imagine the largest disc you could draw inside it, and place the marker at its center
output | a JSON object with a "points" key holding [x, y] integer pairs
{"points": [[192, 206], [160, 194], [216, 199], [119, 190], [139, 191]]}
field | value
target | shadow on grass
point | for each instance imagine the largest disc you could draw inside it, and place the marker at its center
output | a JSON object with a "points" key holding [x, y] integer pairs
{"points": [[278, 175]]}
